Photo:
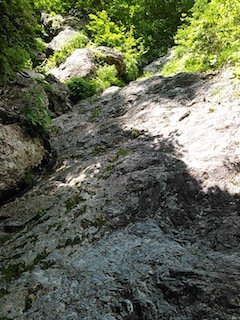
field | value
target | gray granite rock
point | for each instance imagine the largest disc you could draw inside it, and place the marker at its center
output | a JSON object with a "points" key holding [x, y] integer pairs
{"points": [[61, 39], [19, 153], [79, 64], [139, 218]]}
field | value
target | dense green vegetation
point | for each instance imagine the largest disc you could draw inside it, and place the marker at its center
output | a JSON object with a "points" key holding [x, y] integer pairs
{"points": [[17, 36], [208, 39], [81, 88], [206, 32], [155, 21], [140, 29]]}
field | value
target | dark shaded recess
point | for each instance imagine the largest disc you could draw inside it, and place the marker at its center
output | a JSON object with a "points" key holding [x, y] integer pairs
{"points": [[44, 169]]}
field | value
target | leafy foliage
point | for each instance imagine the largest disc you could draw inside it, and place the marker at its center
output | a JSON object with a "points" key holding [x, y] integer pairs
{"points": [[60, 6], [155, 21], [107, 33], [106, 77], [82, 88], [79, 41], [209, 38], [35, 118], [17, 36], [139, 28]]}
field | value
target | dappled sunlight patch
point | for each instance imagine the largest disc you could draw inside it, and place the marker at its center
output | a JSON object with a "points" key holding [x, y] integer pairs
{"points": [[65, 165], [76, 179], [134, 193]]}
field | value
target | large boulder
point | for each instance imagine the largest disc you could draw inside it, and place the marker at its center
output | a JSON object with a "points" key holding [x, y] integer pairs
{"points": [[19, 153], [24, 93], [31, 90], [79, 64], [61, 39], [110, 56], [84, 62], [24, 108], [53, 24]]}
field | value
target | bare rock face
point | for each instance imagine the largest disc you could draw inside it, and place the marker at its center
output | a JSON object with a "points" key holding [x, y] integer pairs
{"points": [[79, 64], [19, 153], [32, 90], [83, 62], [157, 65], [54, 24], [23, 106], [111, 57], [61, 39], [140, 217]]}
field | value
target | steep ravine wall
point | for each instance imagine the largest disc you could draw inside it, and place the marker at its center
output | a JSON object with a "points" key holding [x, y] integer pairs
{"points": [[139, 219]]}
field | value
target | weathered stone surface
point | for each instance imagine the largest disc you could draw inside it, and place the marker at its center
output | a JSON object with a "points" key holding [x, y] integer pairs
{"points": [[61, 39], [83, 62], [24, 93], [33, 90], [58, 95], [28, 96], [54, 24], [79, 64], [140, 218], [156, 65], [111, 56], [19, 153]]}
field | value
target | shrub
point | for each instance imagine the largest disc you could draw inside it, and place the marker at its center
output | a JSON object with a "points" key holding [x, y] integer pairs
{"points": [[156, 21], [59, 6], [35, 118], [209, 39], [79, 41], [107, 76], [107, 33], [17, 36], [81, 88]]}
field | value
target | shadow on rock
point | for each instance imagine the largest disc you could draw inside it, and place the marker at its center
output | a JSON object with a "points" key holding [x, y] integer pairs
{"points": [[122, 229]]}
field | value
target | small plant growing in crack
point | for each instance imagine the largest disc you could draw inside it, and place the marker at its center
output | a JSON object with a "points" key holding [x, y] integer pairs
{"points": [[122, 152], [73, 202], [40, 214], [108, 168], [99, 149], [135, 133], [94, 115], [211, 109]]}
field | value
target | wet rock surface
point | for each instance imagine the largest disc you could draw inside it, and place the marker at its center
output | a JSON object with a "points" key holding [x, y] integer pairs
{"points": [[140, 217]]}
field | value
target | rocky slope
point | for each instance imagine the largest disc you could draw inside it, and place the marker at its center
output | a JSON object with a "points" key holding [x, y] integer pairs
{"points": [[139, 218], [25, 107]]}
